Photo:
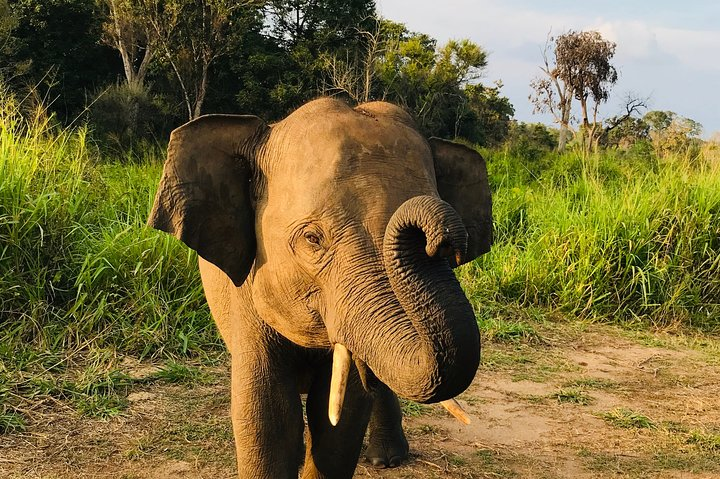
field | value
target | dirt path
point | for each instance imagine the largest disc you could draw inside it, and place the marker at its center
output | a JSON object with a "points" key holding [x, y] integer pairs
{"points": [[572, 403]]}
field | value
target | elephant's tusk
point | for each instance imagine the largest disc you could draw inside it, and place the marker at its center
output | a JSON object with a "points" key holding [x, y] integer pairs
{"points": [[338, 382], [456, 410]]}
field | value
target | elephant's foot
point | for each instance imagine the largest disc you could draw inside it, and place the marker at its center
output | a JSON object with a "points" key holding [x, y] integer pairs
{"points": [[387, 450], [387, 446]]}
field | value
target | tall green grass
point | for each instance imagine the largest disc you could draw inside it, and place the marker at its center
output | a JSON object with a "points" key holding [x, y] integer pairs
{"points": [[607, 236], [620, 238], [78, 268]]}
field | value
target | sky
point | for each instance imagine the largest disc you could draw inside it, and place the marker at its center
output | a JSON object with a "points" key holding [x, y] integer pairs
{"points": [[667, 51]]}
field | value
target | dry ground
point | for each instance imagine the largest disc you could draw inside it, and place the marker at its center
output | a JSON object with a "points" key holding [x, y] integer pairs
{"points": [[575, 401]]}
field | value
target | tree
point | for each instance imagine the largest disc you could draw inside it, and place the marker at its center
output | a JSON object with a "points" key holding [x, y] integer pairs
{"points": [[57, 40], [551, 94], [325, 42], [355, 75], [406, 68], [626, 129], [246, 78], [529, 141], [9, 68], [490, 115], [430, 82], [670, 132], [579, 67], [583, 62], [438, 86], [191, 36], [132, 36], [320, 25]]}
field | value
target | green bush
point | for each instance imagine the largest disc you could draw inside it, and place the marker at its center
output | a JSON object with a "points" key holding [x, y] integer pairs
{"points": [[124, 116], [530, 141]]}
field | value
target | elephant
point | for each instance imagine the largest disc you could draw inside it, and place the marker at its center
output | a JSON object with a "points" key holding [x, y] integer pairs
{"points": [[326, 245]]}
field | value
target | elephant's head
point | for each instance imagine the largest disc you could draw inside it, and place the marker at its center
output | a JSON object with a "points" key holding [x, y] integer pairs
{"points": [[345, 224]]}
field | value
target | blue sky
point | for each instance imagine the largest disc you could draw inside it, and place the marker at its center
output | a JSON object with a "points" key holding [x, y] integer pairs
{"points": [[666, 50]]}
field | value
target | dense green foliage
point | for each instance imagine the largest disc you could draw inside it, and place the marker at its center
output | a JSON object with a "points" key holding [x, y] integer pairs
{"points": [[435, 84], [232, 56], [57, 50], [665, 132], [612, 237]]}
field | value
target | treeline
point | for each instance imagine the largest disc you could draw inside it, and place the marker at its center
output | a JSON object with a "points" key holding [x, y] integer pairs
{"points": [[133, 69]]}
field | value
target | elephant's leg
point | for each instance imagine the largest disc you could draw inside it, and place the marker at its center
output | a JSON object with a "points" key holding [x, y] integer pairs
{"points": [[266, 408], [387, 446], [266, 415], [332, 451]]}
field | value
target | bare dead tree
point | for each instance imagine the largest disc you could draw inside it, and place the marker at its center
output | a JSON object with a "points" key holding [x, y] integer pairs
{"points": [[633, 104], [355, 76], [581, 69], [552, 94]]}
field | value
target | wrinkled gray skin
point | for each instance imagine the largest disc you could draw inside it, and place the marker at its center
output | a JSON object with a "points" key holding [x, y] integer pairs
{"points": [[336, 225]]}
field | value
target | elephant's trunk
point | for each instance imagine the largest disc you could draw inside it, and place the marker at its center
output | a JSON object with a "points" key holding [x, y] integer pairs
{"points": [[419, 238], [427, 347]]}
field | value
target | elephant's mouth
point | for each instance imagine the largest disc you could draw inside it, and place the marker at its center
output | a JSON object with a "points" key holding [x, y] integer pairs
{"points": [[342, 362]]}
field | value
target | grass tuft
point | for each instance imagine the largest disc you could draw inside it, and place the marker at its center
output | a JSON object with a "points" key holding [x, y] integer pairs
{"points": [[572, 396], [498, 329], [627, 419], [591, 383], [412, 408], [706, 441], [11, 421], [178, 373]]}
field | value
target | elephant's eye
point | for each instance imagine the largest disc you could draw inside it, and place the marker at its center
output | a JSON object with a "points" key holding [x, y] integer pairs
{"points": [[309, 241], [312, 238]]}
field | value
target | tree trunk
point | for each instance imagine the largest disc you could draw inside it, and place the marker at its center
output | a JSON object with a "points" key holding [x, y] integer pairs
{"points": [[201, 91], [564, 125], [142, 70]]}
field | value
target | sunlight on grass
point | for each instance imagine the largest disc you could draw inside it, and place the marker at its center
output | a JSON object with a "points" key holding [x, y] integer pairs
{"points": [[412, 408]]}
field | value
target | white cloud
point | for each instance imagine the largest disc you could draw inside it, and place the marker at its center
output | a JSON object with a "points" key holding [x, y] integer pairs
{"points": [[638, 40], [696, 49], [635, 39]]}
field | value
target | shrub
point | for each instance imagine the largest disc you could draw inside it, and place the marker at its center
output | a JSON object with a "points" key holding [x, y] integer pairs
{"points": [[123, 115]]}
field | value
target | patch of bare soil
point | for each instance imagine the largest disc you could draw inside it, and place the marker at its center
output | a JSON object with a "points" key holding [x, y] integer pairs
{"points": [[576, 404]]}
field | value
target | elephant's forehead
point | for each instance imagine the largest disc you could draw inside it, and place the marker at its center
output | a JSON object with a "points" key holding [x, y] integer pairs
{"points": [[344, 144], [346, 159]]}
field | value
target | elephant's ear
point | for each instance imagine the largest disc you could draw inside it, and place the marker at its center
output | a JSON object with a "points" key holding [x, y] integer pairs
{"points": [[462, 181], [205, 194]]}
